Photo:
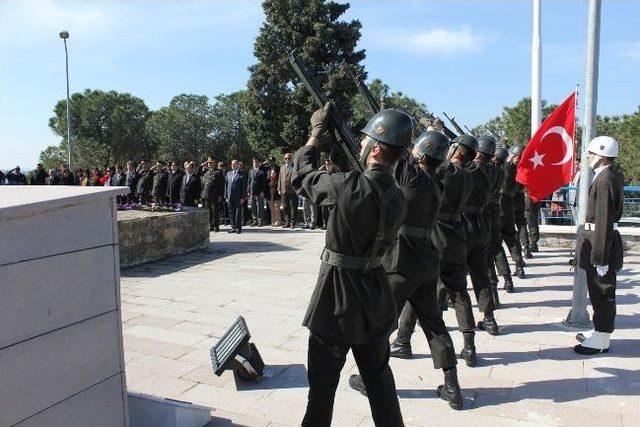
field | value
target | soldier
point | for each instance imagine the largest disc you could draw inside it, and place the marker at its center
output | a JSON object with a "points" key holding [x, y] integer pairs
{"points": [[495, 245], [352, 306], [507, 216], [412, 263], [160, 182], [601, 252], [533, 217], [521, 220], [475, 218], [145, 179], [212, 181]]}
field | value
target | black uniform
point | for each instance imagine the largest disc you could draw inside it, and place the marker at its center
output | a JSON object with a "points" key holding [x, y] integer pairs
{"points": [[351, 306], [533, 214], [211, 194], [476, 220], [507, 219], [174, 186], [495, 224], [131, 181], [145, 181], [603, 245], [159, 189], [412, 264], [520, 217]]}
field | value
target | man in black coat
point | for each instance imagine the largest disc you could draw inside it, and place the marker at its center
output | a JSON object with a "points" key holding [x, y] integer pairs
{"points": [[235, 193], [352, 307], [66, 177], [601, 253], [145, 182], [212, 192], [190, 191], [38, 176], [160, 182], [131, 181], [15, 177], [174, 186], [257, 188]]}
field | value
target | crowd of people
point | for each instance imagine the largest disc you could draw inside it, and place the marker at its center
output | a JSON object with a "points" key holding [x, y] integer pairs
{"points": [[234, 196]]}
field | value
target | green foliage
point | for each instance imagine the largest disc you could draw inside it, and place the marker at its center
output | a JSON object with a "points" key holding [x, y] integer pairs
{"points": [[278, 104], [52, 157], [106, 128], [183, 129], [230, 128], [626, 130]]}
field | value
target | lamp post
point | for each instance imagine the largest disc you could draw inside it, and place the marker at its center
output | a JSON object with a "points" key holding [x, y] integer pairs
{"points": [[64, 35]]}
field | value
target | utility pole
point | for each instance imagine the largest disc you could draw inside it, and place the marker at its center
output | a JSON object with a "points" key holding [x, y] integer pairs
{"points": [[64, 35], [578, 315], [536, 67]]}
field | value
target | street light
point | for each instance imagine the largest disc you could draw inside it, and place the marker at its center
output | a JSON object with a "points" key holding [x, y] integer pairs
{"points": [[64, 35]]}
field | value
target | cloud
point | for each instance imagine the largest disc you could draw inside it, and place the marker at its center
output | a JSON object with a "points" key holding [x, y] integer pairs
{"points": [[446, 42]]}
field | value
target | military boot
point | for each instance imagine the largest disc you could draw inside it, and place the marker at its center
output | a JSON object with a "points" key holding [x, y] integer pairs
{"points": [[468, 352], [508, 284], [401, 351], [533, 247], [489, 325], [450, 390], [520, 271], [527, 253]]}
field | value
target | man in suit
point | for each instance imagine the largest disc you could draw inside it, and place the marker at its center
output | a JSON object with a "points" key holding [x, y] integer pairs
{"points": [[288, 194], [212, 192], [190, 184], [145, 181], [235, 193], [174, 186], [38, 176], [131, 181], [160, 182], [257, 186], [601, 253]]}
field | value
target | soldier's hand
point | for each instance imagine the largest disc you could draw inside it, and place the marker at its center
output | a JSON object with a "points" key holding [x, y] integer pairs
{"points": [[320, 122]]}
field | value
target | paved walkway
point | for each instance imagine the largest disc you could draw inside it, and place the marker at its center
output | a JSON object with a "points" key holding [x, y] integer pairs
{"points": [[174, 311]]}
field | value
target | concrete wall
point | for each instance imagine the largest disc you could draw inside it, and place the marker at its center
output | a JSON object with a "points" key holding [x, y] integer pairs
{"points": [[150, 236], [61, 355], [564, 236]]}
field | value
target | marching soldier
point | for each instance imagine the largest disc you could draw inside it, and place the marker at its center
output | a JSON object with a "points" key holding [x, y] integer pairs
{"points": [[495, 245], [533, 215], [601, 252], [522, 227], [352, 306], [507, 216], [412, 263]]}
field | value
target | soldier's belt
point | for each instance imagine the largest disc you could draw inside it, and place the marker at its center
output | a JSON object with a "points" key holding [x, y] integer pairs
{"points": [[449, 217], [590, 226], [348, 261], [418, 232]]}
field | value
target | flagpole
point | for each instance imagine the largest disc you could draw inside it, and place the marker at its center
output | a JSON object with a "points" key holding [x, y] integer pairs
{"points": [[578, 316], [536, 67]]}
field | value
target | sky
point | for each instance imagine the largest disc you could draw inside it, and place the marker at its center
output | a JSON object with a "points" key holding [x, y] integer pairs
{"points": [[469, 58]]}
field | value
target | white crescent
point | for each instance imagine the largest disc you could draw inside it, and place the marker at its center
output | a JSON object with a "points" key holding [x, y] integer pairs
{"points": [[568, 143]]}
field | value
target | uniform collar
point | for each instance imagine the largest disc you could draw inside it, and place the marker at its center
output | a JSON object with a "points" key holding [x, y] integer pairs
{"points": [[599, 170]]}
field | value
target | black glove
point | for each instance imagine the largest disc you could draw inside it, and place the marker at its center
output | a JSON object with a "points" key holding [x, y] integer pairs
{"points": [[320, 122]]}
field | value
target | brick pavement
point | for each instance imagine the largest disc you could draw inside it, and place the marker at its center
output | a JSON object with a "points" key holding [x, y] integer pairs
{"points": [[174, 310]]}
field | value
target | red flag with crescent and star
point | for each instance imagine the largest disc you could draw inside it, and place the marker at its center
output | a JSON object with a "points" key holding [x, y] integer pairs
{"points": [[547, 161]]}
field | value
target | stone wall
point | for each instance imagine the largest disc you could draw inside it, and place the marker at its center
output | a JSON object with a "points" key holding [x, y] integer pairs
{"points": [[564, 236], [150, 236]]}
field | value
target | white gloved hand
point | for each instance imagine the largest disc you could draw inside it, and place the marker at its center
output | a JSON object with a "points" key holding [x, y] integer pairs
{"points": [[602, 269]]}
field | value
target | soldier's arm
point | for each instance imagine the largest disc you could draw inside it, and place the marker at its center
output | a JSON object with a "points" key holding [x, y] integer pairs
{"points": [[603, 234], [319, 186]]}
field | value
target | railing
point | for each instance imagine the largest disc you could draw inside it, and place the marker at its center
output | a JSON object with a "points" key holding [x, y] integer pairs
{"points": [[562, 208]]}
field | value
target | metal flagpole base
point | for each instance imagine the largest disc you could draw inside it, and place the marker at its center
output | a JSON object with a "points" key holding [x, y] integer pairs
{"points": [[578, 316]]}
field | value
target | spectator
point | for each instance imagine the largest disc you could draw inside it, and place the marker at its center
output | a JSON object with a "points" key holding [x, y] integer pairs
{"points": [[38, 176], [66, 177], [53, 178], [174, 185], [212, 192], [310, 214], [224, 206], [235, 192], [105, 176], [190, 185], [120, 178], [160, 182], [287, 193], [274, 199], [131, 181], [84, 179], [3, 178], [96, 177], [14, 177], [257, 187], [145, 180], [110, 177]]}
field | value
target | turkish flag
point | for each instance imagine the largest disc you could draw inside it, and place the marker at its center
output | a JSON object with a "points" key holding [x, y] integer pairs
{"points": [[547, 161]]}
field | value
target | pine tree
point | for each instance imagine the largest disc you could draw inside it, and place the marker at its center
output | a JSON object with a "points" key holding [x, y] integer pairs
{"points": [[278, 104]]}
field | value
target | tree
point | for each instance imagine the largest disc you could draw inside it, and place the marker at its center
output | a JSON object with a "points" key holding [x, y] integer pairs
{"points": [[278, 104], [626, 130], [230, 128], [183, 129], [106, 128]]}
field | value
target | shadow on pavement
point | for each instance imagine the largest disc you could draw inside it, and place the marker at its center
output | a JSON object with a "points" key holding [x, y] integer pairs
{"points": [[625, 299], [277, 377]]}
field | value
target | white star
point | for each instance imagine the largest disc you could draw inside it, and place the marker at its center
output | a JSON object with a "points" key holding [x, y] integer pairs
{"points": [[537, 159]]}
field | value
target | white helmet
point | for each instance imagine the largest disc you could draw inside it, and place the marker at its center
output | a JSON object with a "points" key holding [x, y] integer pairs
{"points": [[604, 146]]}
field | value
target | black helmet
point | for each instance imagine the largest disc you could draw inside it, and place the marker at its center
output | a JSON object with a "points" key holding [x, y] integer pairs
{"points": [[391, 127], [432, 144], [516, 150], [468, 141], [486, 145], [501, 154]]}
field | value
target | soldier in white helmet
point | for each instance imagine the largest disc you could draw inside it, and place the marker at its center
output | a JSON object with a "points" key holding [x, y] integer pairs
{"points": [[601, 253]]}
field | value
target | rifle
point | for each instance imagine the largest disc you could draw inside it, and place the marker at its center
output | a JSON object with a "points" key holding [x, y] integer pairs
{"points": [[455, 125], [349, 145], [367, 95], [469, 130]]}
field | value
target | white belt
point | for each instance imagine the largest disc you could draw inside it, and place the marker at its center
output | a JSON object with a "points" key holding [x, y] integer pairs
{"points": [[589, 226]]}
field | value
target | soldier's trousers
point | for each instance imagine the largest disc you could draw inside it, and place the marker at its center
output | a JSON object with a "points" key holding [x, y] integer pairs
{"points": [[213, 207], [510, 238], [479, 272], [602, 294], [418, 302], [325, 361], [454, 279], [533, 215], [522, 228], [495, 249]]}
